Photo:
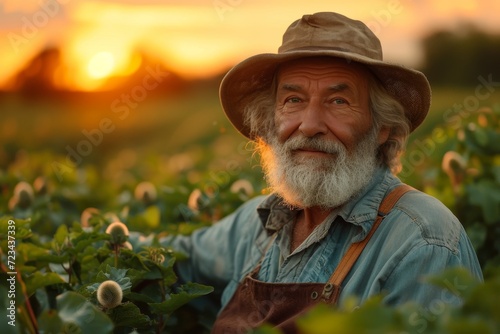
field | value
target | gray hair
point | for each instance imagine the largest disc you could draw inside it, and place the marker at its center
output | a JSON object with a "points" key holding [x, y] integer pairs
{"points": [[386, 111]]}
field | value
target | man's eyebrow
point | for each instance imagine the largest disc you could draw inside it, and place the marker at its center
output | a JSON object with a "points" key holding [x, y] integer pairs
{"points": [[339, 87], [290, 87], [295, 88]]}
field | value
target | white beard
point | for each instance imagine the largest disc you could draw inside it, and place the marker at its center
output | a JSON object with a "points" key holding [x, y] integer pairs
{"points": [[325, 182]]}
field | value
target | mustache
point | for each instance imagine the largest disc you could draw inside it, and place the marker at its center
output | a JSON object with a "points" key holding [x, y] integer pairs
{"points": [[312, 143]]}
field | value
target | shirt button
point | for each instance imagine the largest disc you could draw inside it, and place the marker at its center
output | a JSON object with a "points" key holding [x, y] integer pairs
{"points": [[314, 295]]}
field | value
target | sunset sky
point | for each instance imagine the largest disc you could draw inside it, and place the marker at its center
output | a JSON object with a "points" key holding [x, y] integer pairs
{"points": [[199, 38]]}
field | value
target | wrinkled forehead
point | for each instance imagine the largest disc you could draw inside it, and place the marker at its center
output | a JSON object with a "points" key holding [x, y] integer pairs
{"points": [[325, 64], [327, 71]]}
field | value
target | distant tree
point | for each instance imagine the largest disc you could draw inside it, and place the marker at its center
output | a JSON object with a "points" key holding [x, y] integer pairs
{"points": [[37, 77], [458, 57]]}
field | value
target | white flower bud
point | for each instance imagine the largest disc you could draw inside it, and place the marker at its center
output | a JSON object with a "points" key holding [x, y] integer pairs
{"points": [[119, 233], [145, 192], [109, 294]]}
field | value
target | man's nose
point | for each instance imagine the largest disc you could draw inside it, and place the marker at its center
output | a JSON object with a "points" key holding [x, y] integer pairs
{"points": [[312, 121]]}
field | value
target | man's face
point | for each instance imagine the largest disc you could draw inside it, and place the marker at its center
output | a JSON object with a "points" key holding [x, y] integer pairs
{"points": [[327, 98], [324, 148]]}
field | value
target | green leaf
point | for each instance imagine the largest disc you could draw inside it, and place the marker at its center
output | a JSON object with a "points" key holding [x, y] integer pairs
{"points": [[374, 316], [61, 236], [92, 288], [467, 326], [265, 329], [481, 136], [415, 318], [457, 280], [486, 195], [50, 322], [186, 293], [152, 272], [32, 253], [4, 221], [168, 273], [323, 319], [483, 301], [117, 275], [128, 315], [495, 170], [39, 280], [140, 297], [22, 227], [76, 313], [152, 216], [84, 240], [477, 234]]}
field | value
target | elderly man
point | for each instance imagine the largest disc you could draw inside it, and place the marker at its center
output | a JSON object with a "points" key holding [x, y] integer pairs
{"points": [[330, 119]]}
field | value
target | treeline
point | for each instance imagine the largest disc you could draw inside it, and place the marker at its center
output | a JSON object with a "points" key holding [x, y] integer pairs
{"points": [[459, 57]]}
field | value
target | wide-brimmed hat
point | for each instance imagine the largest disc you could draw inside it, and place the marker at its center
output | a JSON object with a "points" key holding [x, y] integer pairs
{"points": [[324, 34]]}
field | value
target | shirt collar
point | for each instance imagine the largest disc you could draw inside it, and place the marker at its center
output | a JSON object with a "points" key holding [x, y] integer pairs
{"points": [[274, 213], [360, 210]]}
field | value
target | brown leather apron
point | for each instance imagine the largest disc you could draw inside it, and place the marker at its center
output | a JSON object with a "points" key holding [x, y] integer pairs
{"points": [[280, 304]]}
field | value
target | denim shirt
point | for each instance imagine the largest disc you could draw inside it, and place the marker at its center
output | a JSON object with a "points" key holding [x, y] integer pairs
{"points": [[419, 237]]}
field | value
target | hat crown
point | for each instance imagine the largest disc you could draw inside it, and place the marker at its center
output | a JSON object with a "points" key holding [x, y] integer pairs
{"points": [[331, 31]]}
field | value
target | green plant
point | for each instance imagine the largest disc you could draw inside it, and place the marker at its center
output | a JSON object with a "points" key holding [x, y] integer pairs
{"points": [[477, 183], [477, 314], [84, 280], [76, 235], [468, 181]]}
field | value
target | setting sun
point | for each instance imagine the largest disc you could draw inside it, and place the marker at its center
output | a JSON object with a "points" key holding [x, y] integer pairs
{"points": [[101, 65], [92, 59]]}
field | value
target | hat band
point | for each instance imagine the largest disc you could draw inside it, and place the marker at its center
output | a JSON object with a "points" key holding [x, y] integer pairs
{"points": [[316, 48], [349, 54]]}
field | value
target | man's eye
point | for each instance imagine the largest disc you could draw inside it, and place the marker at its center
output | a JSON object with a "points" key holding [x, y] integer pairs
{"points": [[293, 100], [339, 101]]}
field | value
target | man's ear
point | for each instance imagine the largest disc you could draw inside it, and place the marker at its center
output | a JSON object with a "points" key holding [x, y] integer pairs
{"points": [[383, 135]]}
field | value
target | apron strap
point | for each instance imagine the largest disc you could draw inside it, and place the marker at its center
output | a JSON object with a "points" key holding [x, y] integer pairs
{"points": [[355, 249]]}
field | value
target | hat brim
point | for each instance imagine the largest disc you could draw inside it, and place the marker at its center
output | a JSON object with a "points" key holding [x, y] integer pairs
{"points": [[255, 74]]}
